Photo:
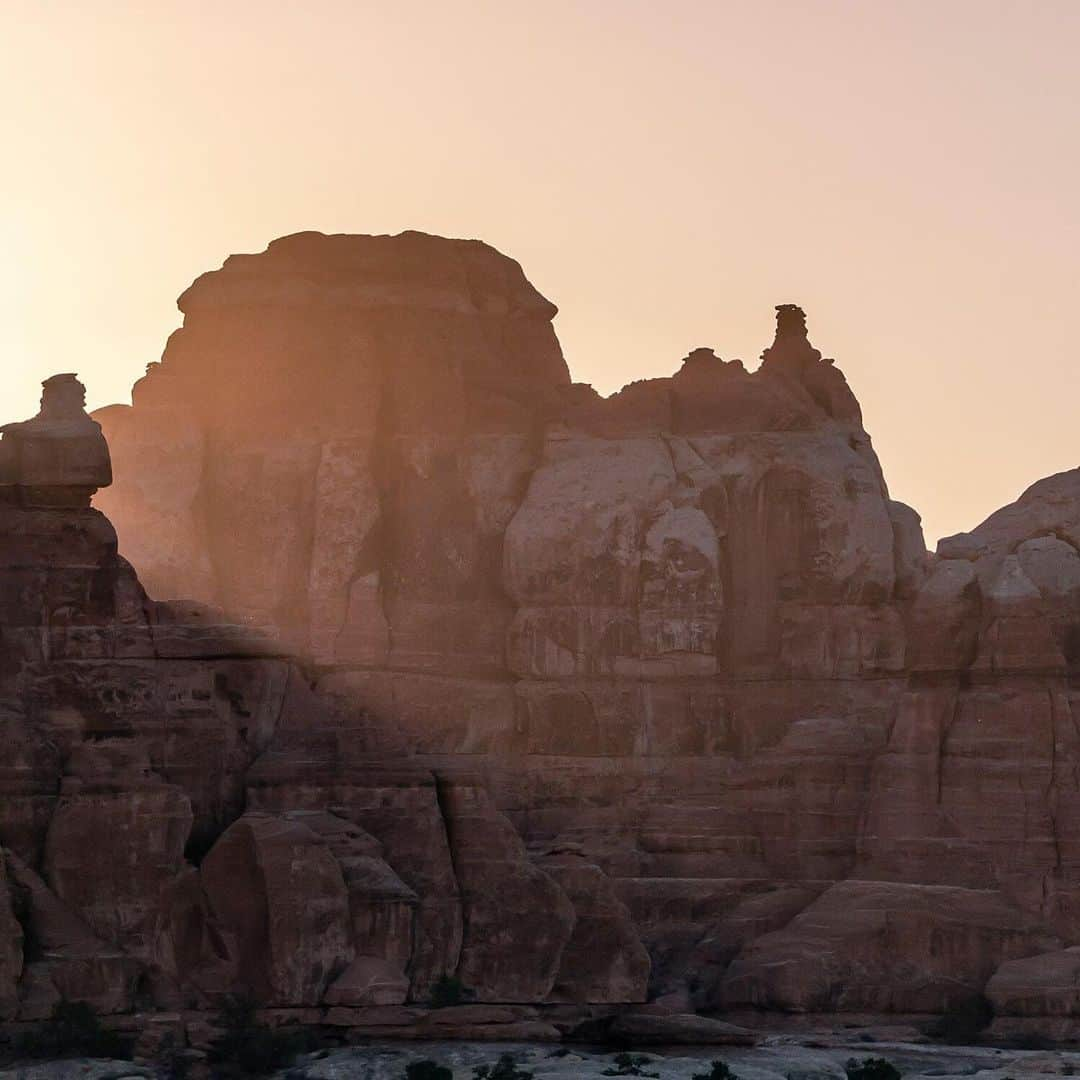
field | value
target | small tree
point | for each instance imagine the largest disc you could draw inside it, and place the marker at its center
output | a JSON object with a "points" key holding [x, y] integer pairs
{"points": [[718, 1071], [504, 1069], [448, 990], [74, 1030], [247, 1047], [630, 1065], [871, 1068], [427, 1070]]}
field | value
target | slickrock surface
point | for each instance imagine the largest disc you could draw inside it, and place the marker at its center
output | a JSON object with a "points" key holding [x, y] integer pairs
{"points": [[456, 668], [779, 1058]]}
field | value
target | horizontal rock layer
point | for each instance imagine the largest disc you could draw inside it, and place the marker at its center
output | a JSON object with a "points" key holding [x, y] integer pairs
{"points": [[476, 674]]}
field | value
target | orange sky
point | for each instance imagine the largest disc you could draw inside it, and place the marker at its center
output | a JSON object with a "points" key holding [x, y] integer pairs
{"points": [[665, 172]]}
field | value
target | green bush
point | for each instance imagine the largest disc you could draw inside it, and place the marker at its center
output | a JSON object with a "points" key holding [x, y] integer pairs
{"points": [[247, 1047], [427, 1070], [719, 1071], [173, 1061], [871, 1069], [448, 990], [504, 1069], [630, 1065], [74, 1030]]}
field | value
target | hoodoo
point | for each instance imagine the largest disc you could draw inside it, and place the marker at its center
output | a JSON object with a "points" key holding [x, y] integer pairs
{"points": [[60, 457]]}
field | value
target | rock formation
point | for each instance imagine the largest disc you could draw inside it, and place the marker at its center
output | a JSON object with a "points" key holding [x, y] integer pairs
{"points": [[185, 818], [458, 668], [60, 457]]}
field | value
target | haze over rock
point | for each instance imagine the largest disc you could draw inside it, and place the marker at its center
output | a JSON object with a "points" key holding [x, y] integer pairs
{"points": [[458, 668]]}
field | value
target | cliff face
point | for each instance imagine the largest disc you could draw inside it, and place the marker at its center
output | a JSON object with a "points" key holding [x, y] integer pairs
{"points": [[377, 401], [184, 817], [656, 695]]}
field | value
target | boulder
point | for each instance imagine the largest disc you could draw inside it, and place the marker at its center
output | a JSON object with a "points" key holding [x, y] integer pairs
{"points": [[69, 961], [882, 947], [112, 803], [1047, 984], [369, 980], [517, 920], [278, 895], [657, 1027], [604, 960]]}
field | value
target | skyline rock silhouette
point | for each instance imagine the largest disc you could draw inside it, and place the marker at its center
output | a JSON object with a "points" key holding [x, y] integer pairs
{"points": [[458, 667]]}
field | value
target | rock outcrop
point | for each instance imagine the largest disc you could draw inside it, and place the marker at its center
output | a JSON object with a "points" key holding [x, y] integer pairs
{"points": [[459, 669], [60, 457], [184, 818]]}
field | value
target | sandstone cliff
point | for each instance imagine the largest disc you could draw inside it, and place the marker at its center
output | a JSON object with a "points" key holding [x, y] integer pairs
{"points": [[584, 700], [184, 817]]}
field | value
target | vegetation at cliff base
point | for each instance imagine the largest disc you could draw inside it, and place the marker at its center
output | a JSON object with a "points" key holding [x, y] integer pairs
{"points": [[719, 1070], [504, 1069], [630, 1065], [247, 1047], [427, 1070], [73, 1030], [871, 1068], [449, 990]]}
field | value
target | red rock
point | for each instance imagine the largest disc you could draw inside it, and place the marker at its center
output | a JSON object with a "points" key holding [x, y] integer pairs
{"points": [[604, 960], [382, 908], [460, 1015], [73, 964], [649, 1027], [681, 637], [275, 889], [111, 803], [393, 800], [1047, 984], [59, 458], [517, 920], [382, 1016], [11, 949], [882, 947], [368, 980]]}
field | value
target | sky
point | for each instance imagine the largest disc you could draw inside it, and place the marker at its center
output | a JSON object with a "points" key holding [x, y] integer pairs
{"points": [[665, 172]]}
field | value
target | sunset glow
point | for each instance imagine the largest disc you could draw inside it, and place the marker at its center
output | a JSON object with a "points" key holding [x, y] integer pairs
{"points": [[664, 173]]}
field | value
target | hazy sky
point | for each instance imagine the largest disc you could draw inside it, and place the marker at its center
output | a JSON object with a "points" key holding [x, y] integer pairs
{"points": [[665, 172]]}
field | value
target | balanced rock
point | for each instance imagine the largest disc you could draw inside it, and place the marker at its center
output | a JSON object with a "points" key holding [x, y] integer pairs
{"points": [[60, 457]]}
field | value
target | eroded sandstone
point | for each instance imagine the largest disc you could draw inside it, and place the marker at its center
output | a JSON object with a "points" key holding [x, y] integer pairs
{"points": [[460, 670]]}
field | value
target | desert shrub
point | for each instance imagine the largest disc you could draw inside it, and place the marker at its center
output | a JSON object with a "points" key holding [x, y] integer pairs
{"points": [[427, 1070], [448, 990], [173, 1061], [247, 1047], [962, 1023], [504, 1069], [718, 1071], [871, 1069], [74, 1030], [629, 1065]]}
